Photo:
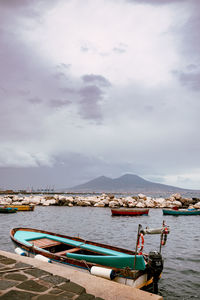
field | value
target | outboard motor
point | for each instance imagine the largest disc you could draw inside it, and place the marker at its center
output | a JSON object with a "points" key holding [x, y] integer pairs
{"points": [[155, 267]]}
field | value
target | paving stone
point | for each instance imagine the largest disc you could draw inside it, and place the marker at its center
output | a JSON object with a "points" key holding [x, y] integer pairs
{"points": [[44, 283], [17, 295], [16, 276], [72, 287], [85, 297], [31, 285], [5, 284], [7, 261], [22, 265], [51, 297], [55, 279], [35, 272], [2, 266], [55, 291], [69, 295]]}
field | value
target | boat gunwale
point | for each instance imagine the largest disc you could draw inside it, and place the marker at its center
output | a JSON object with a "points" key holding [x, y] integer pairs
{"points": [[71, 261], [126, 251]]}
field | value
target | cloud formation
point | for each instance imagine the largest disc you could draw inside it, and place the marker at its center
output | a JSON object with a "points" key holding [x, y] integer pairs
{"points": [[99, 88]]}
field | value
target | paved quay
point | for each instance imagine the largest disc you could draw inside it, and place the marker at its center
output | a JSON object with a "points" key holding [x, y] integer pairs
{"points": [[24, 278]]}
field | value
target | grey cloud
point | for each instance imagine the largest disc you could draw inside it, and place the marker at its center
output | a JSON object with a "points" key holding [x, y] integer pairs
{"points": [[27, 8], [190, 43], [89, 103], [84, 49], [119, 50], [35, 100], [68, 90], [59, 102], [102, 81], [156, 2], [189, 79]]}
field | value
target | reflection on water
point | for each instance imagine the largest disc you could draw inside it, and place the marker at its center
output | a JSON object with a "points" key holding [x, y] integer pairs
{"points": [[181, 276]]}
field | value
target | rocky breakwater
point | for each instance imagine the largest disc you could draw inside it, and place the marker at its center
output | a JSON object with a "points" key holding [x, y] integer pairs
{"points": [[104, 200]]}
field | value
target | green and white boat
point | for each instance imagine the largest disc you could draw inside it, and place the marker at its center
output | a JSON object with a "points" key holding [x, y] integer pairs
{"points": [[133, 268], [181, 212]]}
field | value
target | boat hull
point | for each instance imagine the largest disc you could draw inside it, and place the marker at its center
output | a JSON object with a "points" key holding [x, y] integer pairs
{"points": [[117, 259], [22, 207], [129, 211], [7, 210], [181, 212]]}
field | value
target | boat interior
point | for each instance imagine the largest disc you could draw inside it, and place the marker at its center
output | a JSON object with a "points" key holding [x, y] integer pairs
{"points": [[60, 248]]}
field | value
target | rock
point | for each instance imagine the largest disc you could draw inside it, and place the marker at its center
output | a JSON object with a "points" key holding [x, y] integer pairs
{"points": [[177, 203], [100, 204], [141, 204], [131, 202], [149, 202], [35, 200], [177, 196], [197, 205], [142, 196], [160, 202], [114, 204]]}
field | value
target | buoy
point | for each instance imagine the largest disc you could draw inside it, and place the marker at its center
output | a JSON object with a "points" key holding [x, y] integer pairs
{"points": [[42, 258], [103, 272], [20, 251]]}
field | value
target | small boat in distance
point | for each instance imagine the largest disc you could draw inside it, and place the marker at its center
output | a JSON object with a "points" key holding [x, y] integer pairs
{"points": [[21, 207], [7, 210], [129, 211], [181, 212], [133, 268]]}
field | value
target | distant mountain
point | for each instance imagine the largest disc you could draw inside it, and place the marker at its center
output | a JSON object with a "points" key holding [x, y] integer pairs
{"points": [[124, 184]]}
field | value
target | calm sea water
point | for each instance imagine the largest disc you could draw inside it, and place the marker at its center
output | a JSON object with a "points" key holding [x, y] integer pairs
{"points": [[181, 275]]}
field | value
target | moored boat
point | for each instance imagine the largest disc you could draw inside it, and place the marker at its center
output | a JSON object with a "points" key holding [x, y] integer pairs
{"points": [[181, 212], [129, 211], [21, 207], [7, 210], [121, 265]]}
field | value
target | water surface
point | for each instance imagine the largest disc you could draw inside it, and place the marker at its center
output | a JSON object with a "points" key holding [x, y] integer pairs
{"points": [[181, 275]]}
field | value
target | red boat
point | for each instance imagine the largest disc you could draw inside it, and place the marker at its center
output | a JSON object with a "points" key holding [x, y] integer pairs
{"points": [[129, 211]]}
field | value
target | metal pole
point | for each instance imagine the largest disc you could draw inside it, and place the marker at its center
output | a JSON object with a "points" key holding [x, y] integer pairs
{"points": [[136, 247]]}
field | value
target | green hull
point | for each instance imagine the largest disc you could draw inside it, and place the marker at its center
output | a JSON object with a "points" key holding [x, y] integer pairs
{"points": [[181, 212], [7, 210]]}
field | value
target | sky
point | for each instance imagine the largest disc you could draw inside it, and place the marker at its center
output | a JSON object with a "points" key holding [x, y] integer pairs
{"points": [[99, 87]]}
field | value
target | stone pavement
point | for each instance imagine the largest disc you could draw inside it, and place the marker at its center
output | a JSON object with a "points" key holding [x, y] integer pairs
{"points": [[23, 277], [21, 281]]}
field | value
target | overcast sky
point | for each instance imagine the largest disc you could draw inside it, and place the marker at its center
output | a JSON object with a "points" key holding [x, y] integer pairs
{"points": [[99, 87]]}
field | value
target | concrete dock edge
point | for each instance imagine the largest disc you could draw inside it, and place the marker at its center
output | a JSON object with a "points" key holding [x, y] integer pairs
{"points": [[99, 287]]}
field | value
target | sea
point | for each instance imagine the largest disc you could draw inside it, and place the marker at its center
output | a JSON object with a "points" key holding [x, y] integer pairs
{"points": [[181, 274]]}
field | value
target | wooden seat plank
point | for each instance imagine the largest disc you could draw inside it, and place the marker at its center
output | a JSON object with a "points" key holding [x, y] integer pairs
{"points": [[44, 242], [67, 251]]}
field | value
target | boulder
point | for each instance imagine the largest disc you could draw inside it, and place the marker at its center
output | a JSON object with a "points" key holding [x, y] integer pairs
{"points": [[177, 203], [177, 196], [159, 202], [197, 205], [114, 203], [142, 196], [100, 204], [149, 202], [141, 204]]}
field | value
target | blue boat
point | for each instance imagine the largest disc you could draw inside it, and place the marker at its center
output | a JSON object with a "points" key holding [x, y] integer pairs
{"points": [[181, 212], [7, 210]]}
